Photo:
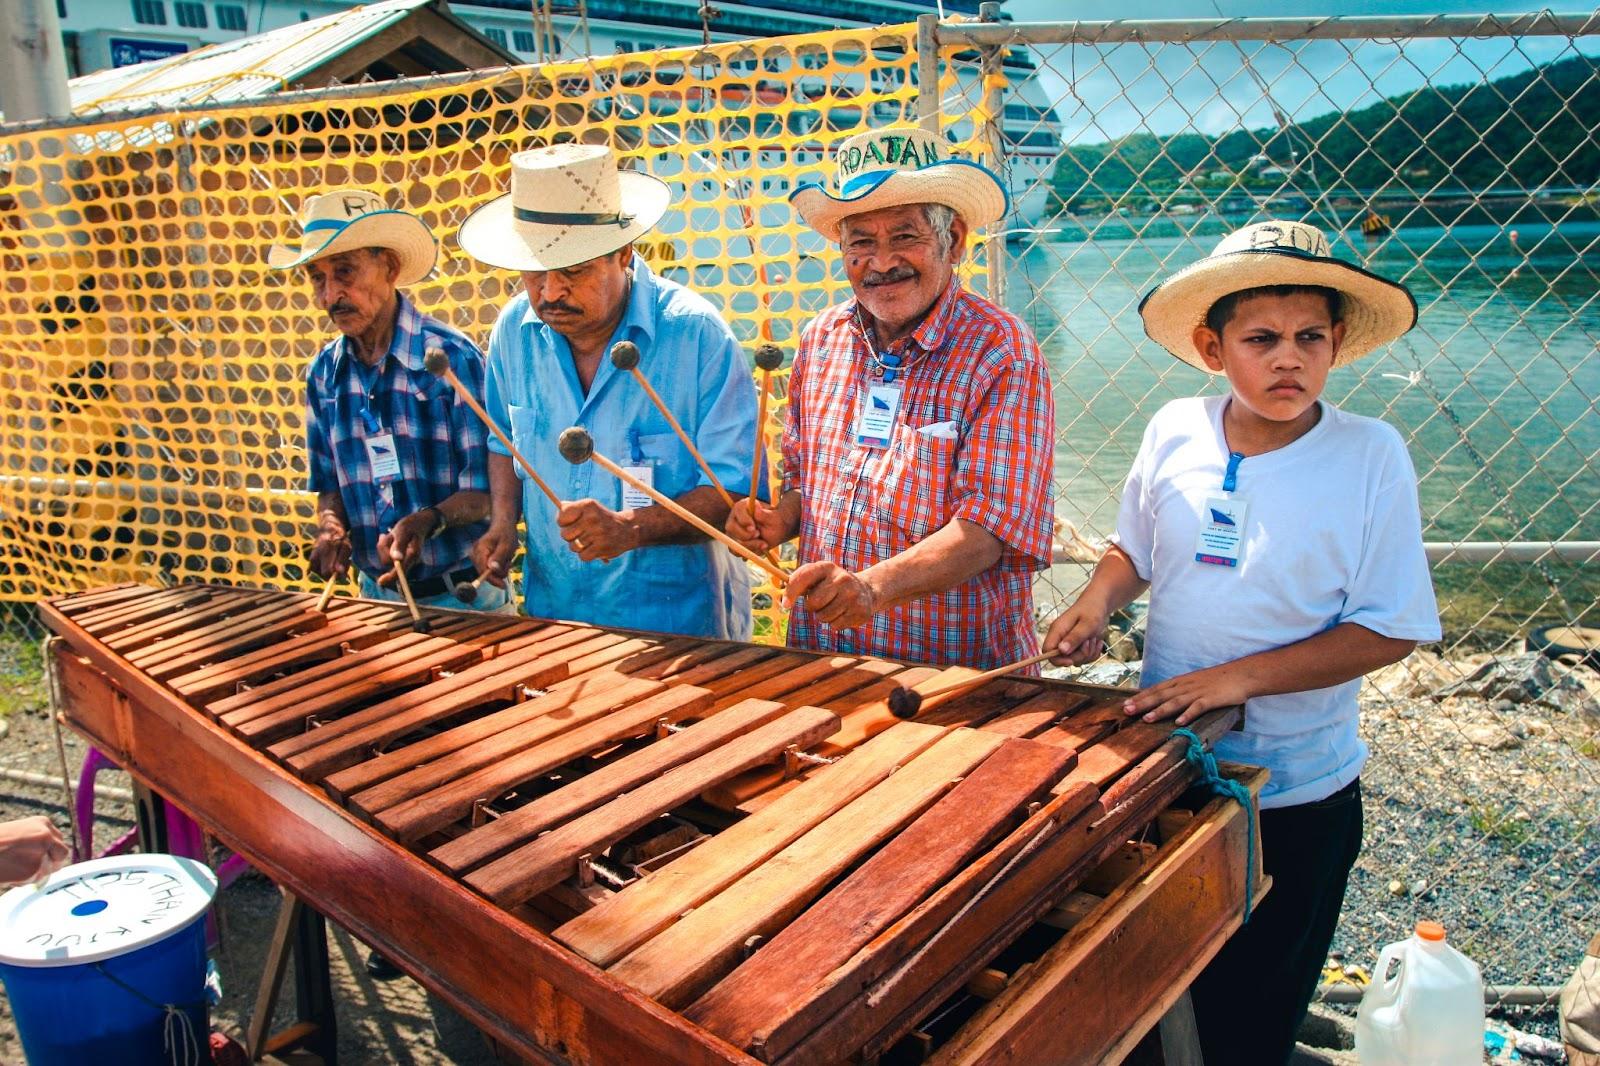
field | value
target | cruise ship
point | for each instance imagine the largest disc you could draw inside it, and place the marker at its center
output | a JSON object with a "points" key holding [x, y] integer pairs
{"points": [[109, 33]]}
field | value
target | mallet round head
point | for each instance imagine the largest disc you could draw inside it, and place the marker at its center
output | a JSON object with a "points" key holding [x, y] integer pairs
{"points": [[576, 445], [905, 702], [624, 355], [421, 625], [436, 362], [769, 357], [466, 591]]}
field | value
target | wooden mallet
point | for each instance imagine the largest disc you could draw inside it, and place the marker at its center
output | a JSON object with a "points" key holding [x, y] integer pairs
{"points": [[467, 591], [769, 357], [418, 623], [327, 590], [438, 364], [908, 702], [578, 447]]}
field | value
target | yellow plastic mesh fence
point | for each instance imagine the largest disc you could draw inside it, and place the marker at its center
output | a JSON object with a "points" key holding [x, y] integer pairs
{"points": [[152, 370]]}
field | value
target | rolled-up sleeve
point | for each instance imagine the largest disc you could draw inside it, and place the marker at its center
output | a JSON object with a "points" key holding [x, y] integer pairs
{"points": [[1003, 470]]}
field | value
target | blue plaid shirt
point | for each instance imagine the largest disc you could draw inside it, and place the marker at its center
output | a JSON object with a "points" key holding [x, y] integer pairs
{"points": [[440, 443]]}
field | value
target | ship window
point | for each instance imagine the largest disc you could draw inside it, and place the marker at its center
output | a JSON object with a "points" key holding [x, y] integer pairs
{"points": [[523, 39], [624, 46], [190, 14], [61, 9], [497, 36], [150, 12], [231, 17]]}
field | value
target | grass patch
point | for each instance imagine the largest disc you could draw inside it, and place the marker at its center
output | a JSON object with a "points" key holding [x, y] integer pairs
{"points": [[1499, 823], [22, 682]]}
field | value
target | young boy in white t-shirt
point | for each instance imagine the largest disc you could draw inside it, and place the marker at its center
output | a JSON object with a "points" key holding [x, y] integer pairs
{"points": [[1281, 542]]}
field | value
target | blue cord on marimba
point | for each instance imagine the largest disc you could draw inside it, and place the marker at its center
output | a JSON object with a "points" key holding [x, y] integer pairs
{"points": [[1205, 762]]}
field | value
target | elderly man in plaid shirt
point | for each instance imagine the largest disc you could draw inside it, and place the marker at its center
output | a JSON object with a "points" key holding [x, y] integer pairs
{"points": [[398, 462], [920, 431]]}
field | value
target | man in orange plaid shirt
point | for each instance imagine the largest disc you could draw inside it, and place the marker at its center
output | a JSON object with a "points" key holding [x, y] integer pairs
{"points": [[917, 451]]}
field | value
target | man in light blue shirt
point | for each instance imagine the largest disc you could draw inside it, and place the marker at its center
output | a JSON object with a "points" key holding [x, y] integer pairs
{"points": [[605, 556]]}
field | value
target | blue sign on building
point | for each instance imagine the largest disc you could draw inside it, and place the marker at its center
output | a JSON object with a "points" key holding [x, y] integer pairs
{"points": [[125, 52]]}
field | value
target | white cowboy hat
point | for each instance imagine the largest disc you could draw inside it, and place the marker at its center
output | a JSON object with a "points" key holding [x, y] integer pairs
{"points": [[901, 165], [568, 204], [344, 219], [1375, 309]]}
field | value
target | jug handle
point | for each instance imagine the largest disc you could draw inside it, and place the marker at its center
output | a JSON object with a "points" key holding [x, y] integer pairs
{"points": [[1384, 987]]}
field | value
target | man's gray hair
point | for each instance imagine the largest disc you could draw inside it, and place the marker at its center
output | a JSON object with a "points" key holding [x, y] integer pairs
{"points": [[941, 218]]}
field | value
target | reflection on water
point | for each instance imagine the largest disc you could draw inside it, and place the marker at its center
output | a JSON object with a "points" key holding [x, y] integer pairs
{"points": [[1494, 391]]}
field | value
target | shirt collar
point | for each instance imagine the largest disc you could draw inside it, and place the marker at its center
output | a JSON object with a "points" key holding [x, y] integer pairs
{"points": [[406, 343], [930, 334]]}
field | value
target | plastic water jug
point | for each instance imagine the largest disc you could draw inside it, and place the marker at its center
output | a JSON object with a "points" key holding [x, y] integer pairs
{"points": [[1428, 1011]]}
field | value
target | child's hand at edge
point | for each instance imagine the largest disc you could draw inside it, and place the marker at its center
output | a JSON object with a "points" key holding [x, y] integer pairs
{"points": [[1190, 695], [1078, 635]]}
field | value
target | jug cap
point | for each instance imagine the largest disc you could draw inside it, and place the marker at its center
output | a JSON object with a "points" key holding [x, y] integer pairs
{"points": [[1427, 930]]}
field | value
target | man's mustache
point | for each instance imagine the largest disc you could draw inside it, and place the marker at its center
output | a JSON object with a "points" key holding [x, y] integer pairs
{"points": [[341, 309], [559, 308], [887, 277]]}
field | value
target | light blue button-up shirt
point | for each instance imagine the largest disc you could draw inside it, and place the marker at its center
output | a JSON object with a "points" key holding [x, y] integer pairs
{"points": [[691, 358]]}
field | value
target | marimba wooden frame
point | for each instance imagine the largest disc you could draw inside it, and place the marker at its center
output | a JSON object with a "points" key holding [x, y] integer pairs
{"points": [[1108, 983]]}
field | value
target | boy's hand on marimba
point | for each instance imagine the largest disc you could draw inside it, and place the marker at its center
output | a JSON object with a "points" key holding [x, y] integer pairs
{"points": [[1077, 636], [1187, 696]]}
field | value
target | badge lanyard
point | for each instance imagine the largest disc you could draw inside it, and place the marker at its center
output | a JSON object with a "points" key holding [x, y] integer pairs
{"points": [[880, 410], [640, 467], [382, 455], [1221, 540]]}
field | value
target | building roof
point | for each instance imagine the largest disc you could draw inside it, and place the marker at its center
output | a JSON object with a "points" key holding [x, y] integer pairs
{"points": [[379, 41]]}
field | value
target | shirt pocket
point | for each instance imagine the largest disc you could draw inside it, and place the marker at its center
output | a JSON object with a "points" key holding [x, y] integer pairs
{"points": [[913, 486], [527, 430]]}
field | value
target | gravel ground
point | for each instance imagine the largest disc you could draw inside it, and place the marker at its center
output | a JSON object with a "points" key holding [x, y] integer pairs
{"points": [[1483, 813]]}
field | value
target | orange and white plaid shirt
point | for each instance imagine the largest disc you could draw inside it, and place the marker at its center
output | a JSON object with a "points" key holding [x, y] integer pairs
{"points": [[973, 371]]}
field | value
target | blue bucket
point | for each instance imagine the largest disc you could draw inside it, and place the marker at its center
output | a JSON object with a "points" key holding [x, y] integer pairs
{"points": [[106, 962]]}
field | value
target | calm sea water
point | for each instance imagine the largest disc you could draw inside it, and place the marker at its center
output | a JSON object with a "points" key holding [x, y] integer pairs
{"points": [[1495, 390]]}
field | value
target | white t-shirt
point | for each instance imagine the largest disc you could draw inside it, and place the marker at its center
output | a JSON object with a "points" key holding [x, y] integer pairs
{"points": [[1332, 533]]}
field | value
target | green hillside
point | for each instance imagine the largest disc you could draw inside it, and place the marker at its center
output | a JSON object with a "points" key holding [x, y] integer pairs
{"points": [[1529, 129]]}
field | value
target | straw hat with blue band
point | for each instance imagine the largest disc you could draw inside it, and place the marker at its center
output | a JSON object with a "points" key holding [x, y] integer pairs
{"points": [[1375, 309], [345, 219], [568, 203], [898, 166]]}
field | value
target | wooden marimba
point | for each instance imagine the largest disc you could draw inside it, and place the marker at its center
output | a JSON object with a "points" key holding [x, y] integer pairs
{"points": [[623, 847]]}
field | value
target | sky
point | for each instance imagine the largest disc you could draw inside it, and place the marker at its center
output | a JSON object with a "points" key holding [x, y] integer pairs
{"points": [[1213, 87]]}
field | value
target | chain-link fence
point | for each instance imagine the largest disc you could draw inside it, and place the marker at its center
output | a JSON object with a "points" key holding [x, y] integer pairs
{"points": [[1458, 155], [152, 367]]}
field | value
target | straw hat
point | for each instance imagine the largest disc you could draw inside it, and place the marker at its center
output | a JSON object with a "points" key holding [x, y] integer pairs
{"points": [[568, 204], [902, 165], [344, 219], [1376, 310]]}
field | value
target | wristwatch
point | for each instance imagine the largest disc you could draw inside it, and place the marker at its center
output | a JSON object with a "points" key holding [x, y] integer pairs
{"points": [[440, 523]]}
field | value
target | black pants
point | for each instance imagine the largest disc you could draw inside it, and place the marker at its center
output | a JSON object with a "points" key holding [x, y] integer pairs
{"points": [[1250, 1000]]}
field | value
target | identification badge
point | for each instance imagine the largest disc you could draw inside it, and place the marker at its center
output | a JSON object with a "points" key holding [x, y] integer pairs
{"points": [[1221, 532], [880, 412], [632, 498], [383, 457]]}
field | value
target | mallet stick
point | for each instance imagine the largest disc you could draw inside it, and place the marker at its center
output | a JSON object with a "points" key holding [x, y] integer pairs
{"points": [[438, 364], [418, 623], [768, 358], [327, 590], [578, 447], [907, 702]]}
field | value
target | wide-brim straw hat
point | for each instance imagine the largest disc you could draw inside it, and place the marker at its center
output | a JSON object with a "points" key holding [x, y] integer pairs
{"points": [[568, 204], [345, 219], [1375, 309], [898, 166]]}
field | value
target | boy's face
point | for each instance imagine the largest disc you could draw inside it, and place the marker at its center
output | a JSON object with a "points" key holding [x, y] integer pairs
{"points": [[1276, 352]]}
